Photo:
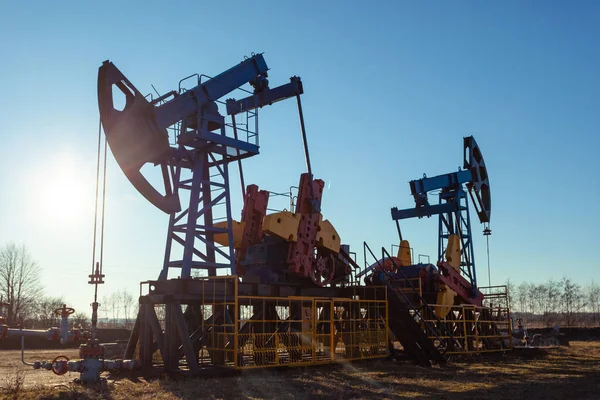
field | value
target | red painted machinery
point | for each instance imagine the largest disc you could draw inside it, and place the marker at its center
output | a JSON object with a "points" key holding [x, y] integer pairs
{"points": [[289, 246]]}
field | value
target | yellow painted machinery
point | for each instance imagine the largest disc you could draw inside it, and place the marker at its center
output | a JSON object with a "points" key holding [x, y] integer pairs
{"points": [[294, 246]]}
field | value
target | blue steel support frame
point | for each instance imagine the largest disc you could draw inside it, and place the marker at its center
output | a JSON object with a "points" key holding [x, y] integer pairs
{"points": [[208, 187], [458, 222], [453, 214], [422, 186], [207, 154], [193, 228]]}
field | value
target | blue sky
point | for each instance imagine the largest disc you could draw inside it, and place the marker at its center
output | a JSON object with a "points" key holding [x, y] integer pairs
{"points": [[390, 90]]}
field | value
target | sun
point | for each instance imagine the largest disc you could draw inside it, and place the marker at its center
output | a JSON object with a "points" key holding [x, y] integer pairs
{"points": [[66, 193]]}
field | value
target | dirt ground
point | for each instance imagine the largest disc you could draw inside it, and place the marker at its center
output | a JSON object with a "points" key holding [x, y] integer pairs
{"points": [[11, 365], [559, 373]]}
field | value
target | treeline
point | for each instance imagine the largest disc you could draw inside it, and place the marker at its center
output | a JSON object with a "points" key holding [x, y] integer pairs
{"points": [[118, 310], [40, 314], [555, 302], [20, 288], [22, 305]]}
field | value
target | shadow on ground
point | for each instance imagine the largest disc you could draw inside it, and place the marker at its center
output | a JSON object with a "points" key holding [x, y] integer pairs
{"points": [[561, 373]]}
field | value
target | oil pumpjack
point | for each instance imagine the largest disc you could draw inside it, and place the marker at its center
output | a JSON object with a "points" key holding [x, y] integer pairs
{"points": [[284, 254], [452, 280]]}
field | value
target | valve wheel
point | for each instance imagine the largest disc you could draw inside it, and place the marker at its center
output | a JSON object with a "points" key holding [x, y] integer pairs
{"points": [[64, 310], [59, 358]]}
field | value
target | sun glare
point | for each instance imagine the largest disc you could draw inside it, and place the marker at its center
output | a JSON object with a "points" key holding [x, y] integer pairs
{"points": [[66, 193]]}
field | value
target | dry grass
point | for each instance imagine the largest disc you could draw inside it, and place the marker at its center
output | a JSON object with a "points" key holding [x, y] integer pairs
{"points": [[13, 384], [11, 368], [566, 372]]}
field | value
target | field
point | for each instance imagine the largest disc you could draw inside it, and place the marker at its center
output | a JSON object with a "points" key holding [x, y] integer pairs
{"points": [[558, 373]]}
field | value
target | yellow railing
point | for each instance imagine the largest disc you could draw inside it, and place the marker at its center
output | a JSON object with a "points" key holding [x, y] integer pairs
{"points": [[244, 332], [304, 330], [471, 329]]}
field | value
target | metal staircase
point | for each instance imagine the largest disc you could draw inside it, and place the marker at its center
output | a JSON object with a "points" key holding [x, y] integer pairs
{"points": [[424, 342]]}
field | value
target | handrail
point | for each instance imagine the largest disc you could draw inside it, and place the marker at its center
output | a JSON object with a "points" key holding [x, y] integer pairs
{"points": [[368, 268], [426, 323], [422, 300]]}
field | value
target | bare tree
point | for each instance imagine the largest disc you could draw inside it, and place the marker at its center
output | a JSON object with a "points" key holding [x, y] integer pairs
{"points": [[571, 300], [541, 299], [45, 317], [79, 319], [127, 303], [552, 295], [593, 301], [553, 288], [115, 305], [522, 297], [533, 295], [19, 280], [510, 292], [104, 311]]}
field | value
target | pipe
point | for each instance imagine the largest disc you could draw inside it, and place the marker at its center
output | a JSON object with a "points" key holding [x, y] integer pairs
{"points": [[48, 334], [23, 352]]}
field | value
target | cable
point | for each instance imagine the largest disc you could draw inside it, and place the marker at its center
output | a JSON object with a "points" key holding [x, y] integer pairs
{"points": [[96, 206], [487, 232], [96, 275], [103, 207], [488, 260]]}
